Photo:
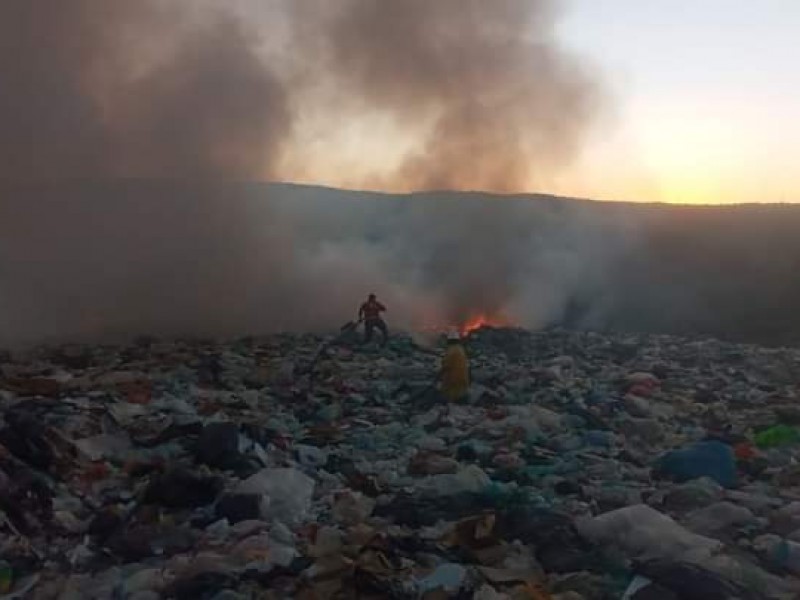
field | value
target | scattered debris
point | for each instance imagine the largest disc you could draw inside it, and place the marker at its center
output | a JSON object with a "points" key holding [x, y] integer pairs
{"points": [[580, 465]]}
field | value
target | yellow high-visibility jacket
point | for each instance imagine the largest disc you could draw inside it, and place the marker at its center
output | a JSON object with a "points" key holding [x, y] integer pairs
{"points": [[455, 373]]}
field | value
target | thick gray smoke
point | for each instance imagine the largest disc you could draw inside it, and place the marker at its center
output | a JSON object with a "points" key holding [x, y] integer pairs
{"points": [[502, 104], [116, 258], [182, 89], [110, 88], [123, 125]]}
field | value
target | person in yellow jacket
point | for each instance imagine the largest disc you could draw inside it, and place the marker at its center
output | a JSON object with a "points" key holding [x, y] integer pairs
{"points": [[454, 374]]}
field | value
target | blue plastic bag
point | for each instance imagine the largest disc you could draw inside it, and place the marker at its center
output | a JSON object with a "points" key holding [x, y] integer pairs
{"points": [[704, 459]]}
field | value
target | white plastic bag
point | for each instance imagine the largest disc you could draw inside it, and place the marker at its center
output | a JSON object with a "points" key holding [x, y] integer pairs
{"points": [[289, 491], [470, 479], [643, 532]]}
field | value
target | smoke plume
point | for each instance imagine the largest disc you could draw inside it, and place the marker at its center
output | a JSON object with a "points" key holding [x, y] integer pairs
{"points": [[98, 89], [182, 89], [126, 129], [494, 101]]}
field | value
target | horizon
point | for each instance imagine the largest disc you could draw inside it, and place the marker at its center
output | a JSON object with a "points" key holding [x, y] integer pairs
{"points": [[383, 192]]}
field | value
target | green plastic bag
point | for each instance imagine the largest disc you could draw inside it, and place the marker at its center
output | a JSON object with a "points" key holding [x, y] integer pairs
{"points": [[779, 435]]}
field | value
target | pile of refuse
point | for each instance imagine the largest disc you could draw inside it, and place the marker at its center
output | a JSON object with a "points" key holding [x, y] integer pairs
{"points": [[583, 466]]}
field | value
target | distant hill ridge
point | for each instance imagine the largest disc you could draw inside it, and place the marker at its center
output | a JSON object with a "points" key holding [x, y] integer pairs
{"points": [[100, 257]]}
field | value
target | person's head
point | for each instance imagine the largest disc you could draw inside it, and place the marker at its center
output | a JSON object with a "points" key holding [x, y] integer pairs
{"points": [[372, 298]]}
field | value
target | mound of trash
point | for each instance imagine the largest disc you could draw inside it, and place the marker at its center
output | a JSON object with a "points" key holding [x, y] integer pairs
{"points": [[583, 466]]}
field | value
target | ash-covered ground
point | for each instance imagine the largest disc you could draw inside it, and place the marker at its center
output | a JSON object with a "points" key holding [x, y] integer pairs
{"points": [[583, 465]]}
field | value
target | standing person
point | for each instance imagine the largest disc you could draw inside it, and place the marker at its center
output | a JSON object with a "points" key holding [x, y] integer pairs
{"points": [[370, 313], [454, 374]]}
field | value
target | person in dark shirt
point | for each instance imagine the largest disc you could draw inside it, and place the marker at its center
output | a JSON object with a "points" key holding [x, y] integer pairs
{"points": [[370, 313]]}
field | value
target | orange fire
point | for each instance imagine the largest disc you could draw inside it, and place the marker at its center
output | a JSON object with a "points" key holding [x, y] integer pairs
{"points": [[473, 323], [481, 320]]}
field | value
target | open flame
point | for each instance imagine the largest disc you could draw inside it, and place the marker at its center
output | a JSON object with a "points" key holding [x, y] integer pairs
{"points": [[466, 327], [481, 320]]}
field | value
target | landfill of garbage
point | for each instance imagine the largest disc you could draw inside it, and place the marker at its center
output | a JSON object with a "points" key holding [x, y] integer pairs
{"points": [[583, 466]]}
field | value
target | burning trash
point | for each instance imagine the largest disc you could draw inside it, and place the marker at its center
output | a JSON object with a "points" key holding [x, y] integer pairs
{"points": [[480, 321]]}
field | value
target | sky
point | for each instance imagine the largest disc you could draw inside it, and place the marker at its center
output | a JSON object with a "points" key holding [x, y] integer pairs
{"points": [[705, 100], [686, 101]]}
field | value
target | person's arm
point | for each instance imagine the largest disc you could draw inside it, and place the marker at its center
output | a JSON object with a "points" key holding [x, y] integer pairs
{"points": [[361, 312], [381, 307]]}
